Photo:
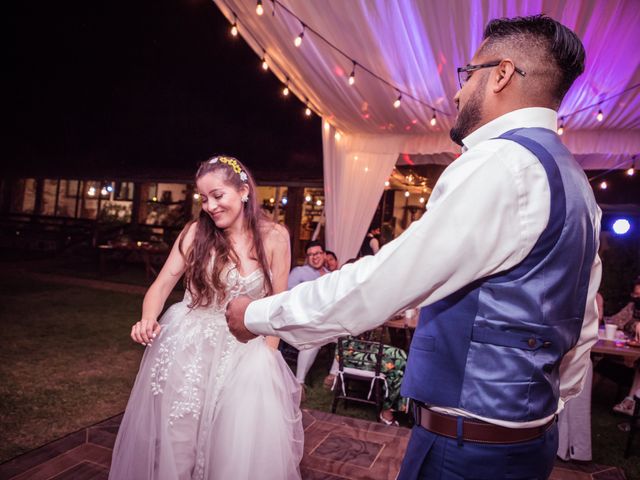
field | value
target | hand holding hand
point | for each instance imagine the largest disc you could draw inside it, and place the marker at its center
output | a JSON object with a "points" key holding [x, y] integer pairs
{"points": [[235, 318], [145, 331]]}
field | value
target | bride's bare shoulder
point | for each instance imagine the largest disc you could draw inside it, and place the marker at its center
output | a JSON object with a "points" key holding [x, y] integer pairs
{"points": [[274, 234]]}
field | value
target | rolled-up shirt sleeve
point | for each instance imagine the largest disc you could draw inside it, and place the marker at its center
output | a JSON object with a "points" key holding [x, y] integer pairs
{"points": [[484, 222]]}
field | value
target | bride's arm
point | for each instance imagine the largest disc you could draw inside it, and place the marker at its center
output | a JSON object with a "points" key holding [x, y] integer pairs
{"points": [[278, 248], [145, 330]]}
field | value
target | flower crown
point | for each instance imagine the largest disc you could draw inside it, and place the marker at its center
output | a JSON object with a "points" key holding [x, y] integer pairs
{"points": [[233, 163]]}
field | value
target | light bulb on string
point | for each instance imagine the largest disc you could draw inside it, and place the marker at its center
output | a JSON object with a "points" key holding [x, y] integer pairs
{"points": [[600, 115], [386, 184], [352, 77], [265, 65], [406, 194], [603, 185], [630, 172], [234, 28], [561, 127], [421, 200], [259, 8], [307, 198], [285, 90], [396, 104], [307, 110], [298, 40], [433, 120]]}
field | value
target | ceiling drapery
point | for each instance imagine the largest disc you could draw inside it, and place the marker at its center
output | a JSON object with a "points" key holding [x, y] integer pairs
{"points": [[416, 47]]}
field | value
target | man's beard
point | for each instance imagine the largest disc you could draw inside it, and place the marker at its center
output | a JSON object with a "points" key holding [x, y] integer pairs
{"points": [[469, 117]]}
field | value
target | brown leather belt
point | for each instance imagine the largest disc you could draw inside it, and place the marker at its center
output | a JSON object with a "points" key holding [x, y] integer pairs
{"points": [[476, 430]]}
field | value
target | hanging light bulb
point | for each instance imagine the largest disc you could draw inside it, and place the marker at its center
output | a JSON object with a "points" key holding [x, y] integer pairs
{"points": [[285, 90], [307, 111], [600, 115], [433, 120], [337, 136], [630, 172], [406, 194], [234, 29], [319, 202], [561, 127], [386, 184], [352, 77], [396, 104], [196, 196], [307, 198], [265, 65], [603, 185], [259, 8], [327, 126], [421, 200], [298, 40]]}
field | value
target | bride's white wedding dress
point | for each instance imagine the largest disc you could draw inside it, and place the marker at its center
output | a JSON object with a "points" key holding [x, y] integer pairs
{"points": [[205, 406]]}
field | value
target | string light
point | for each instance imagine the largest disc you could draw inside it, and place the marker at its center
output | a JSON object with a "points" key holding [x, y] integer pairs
{"points": [[337, 136], [433, 119], [265, 65], [285, 90], [421, 200], [307, 198], [284, 200], [259, 8], [307, 111], [319, 202], [406, 194], [327, 126], [561, 127], [298, 41], [603, 185], [234, 27], [352, 77], [396, 104], [630, 172], [272, 200], [386, 184], [600, 115]]}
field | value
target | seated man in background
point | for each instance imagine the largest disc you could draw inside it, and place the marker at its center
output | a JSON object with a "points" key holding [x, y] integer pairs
{"points": [[313, 268], [331, 261]]}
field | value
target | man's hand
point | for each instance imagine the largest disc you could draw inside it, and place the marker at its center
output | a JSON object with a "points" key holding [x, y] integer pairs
{"points": [[235, 318]]}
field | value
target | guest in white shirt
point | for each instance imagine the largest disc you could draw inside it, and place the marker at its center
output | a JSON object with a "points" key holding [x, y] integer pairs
{"points": [[503, 263]]}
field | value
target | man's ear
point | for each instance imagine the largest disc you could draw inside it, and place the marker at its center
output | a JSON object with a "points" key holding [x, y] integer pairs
{"points": [[502, 75]]}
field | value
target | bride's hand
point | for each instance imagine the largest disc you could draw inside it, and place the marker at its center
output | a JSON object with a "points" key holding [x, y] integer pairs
{"points": [[145, 331]]}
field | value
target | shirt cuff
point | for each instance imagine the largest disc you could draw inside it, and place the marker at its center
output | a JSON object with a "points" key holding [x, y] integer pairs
{"points": [[256, 317]]}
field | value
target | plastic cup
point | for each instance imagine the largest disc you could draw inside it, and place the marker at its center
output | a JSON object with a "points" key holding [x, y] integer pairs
{"points": [[610, 331]]}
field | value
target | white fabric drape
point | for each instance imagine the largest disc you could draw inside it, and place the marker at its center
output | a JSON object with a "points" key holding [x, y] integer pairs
{"points": [[417, 45]]}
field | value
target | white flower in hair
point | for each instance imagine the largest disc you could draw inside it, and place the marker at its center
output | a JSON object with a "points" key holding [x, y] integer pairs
{"points": [[243, 176], [214, 160]]}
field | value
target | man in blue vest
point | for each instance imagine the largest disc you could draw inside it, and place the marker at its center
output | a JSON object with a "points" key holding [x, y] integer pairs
{"points": [[504, 263]]}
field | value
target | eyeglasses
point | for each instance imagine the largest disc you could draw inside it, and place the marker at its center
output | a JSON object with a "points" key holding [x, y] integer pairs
{"points": [[464, 73], [315, 254]]}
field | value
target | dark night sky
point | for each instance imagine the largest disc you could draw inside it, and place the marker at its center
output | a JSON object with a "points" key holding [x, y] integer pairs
{"points": [[121, 86]]}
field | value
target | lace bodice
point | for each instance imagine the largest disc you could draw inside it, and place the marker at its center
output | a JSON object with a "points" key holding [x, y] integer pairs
{"points": [[251, 285]]}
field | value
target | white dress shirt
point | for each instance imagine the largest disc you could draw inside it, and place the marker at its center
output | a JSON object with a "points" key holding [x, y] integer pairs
{"points": [[484, 216]]}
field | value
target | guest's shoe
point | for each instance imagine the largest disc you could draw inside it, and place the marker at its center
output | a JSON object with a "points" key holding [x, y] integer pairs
{"points": [[625, 407], [391, 423]]}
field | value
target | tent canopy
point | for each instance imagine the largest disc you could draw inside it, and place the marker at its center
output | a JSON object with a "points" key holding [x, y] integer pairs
{"points": [[410, 49]]}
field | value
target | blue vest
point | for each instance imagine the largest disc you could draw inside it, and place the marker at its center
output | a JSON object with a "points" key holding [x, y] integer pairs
{"points": [[494, 347]]}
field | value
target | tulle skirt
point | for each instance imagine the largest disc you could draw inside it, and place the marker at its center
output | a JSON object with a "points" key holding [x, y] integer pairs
{"points": [[204, 406]]}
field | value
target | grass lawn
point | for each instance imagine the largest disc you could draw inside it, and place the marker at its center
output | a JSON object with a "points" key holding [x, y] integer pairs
{"points": [[66, 362]]}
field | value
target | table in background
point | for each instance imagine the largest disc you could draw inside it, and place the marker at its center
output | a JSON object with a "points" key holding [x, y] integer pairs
{"points": [[147, 252]]}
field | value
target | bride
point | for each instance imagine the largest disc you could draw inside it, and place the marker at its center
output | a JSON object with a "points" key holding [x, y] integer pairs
{"points": [[203, 405]]}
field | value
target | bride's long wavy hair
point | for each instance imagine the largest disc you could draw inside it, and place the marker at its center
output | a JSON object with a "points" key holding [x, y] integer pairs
{"points": [[206, 284]]}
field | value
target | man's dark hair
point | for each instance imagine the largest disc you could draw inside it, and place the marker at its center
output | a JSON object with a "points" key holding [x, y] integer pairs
{"points": [[558, 43], [313, 243], [329, 252], [636, 282]]}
